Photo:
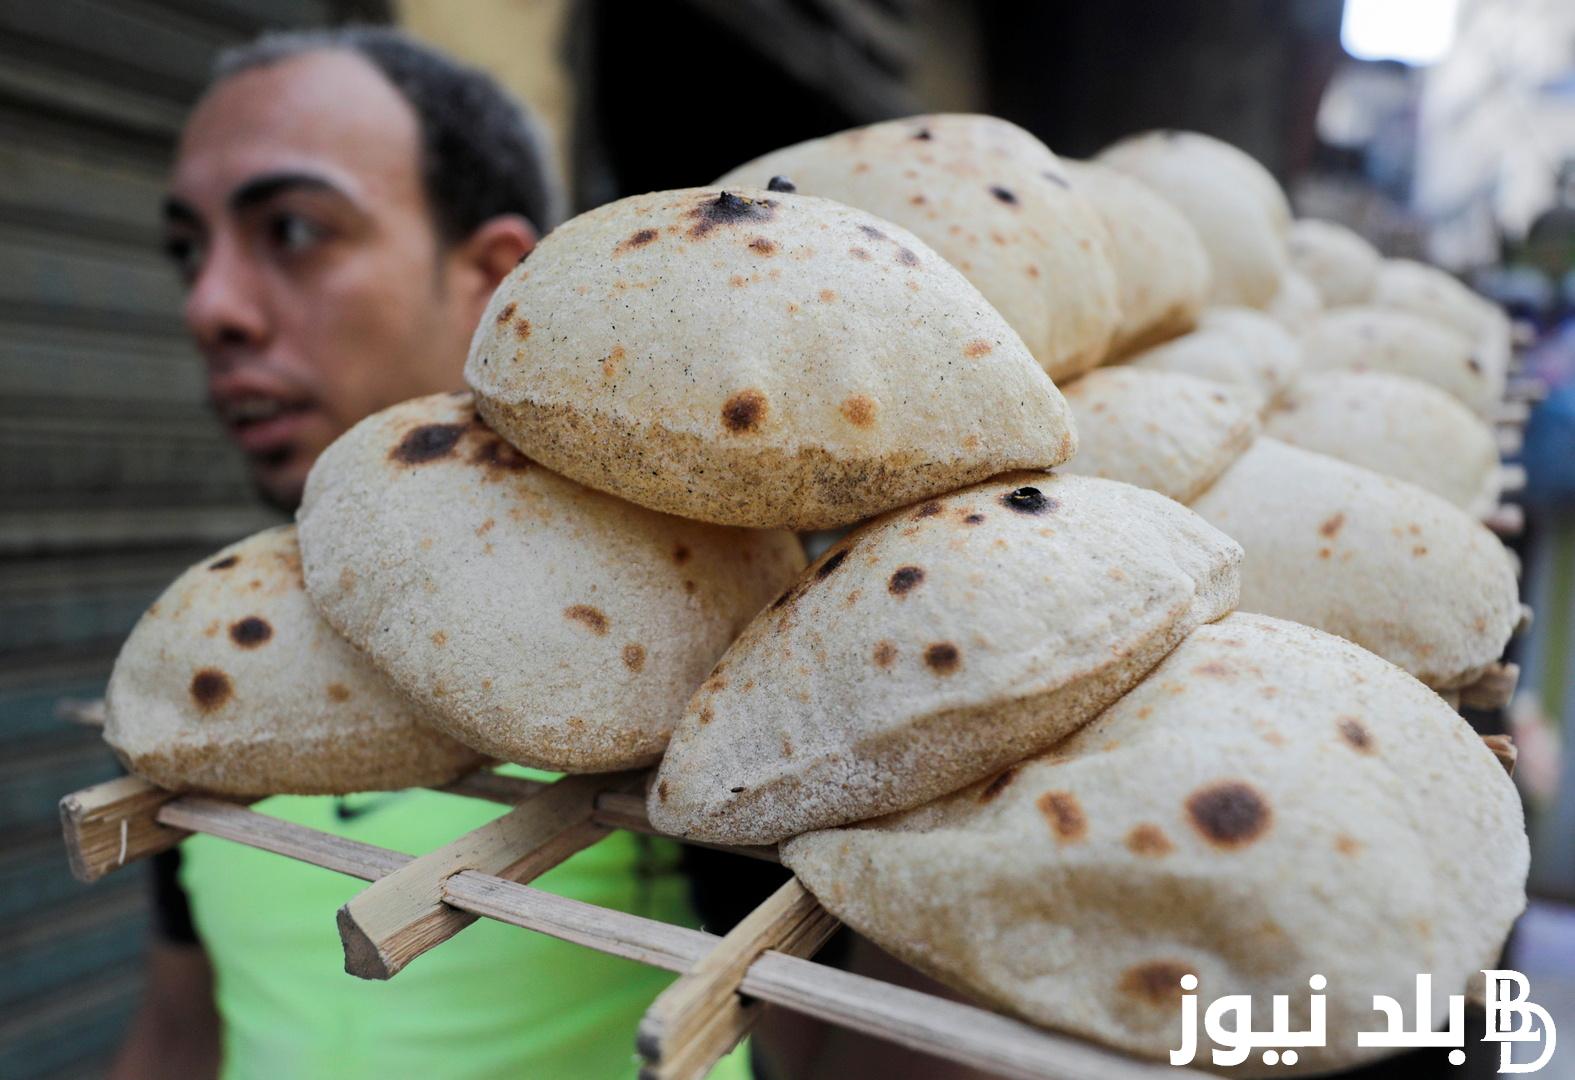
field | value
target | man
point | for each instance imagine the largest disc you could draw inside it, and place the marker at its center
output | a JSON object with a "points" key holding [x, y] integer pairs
{"points": [[341, 207]]}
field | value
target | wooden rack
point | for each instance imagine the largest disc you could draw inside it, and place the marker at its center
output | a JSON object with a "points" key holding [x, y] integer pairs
{"points": [[414, 904]]}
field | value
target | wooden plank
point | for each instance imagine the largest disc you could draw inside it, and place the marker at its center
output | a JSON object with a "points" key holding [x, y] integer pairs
{"points": [[1493, 689], [1509, 439], [947, 1029], [625, 810], [494, 787], [1511, 478], [701, 1017], [1507, 520], [1527, 617], [1513, 413], [233, 821], [1504, 749], [402, 916], [1525, 389], [110, 824]]}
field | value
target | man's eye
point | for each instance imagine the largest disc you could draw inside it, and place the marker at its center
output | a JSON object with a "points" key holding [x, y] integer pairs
{"points": [[292, 233], [185, 254]]}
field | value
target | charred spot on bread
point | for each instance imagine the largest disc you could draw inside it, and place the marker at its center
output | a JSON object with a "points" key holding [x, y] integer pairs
{"points": [[782, 184], [427, 443], [589, 617], [728, 209], [904, 579], [1157, 983], [943, 657], [923, 134], [829, 566], [1229, 814], [1005, 195], [224, 563], [250, 632], [994, 788], [1355, 733], [744, 412], [1028, 500], [210, 689], [1065, 815], [497, 456]]}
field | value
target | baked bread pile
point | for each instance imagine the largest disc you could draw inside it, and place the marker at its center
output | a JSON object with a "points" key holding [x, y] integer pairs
{"points": [[1008, 725]]}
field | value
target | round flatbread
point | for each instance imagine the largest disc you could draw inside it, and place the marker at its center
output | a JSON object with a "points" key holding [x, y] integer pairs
{"points": [[1162, 269], [935, 645], [1339, 263], [536, 620], [758, 358], [990, 198], [231, 683], [1249, 814], [1235, 205], [1297, 303], [1237, 346], [1391, 424], [1170, 433], [1372, 338], [1380, 562]]}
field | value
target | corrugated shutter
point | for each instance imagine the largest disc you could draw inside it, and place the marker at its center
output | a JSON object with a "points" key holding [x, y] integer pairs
{"points": [[112, 475]]}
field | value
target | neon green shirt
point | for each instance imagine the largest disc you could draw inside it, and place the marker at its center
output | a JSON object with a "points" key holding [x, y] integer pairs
{"points": [[495, 1001]]}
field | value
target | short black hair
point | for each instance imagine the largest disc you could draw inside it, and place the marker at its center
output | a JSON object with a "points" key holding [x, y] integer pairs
{"points": [[483, 153]]}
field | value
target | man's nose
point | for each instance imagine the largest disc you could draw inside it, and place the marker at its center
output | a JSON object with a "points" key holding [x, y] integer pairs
{"points": [[224, 309]]}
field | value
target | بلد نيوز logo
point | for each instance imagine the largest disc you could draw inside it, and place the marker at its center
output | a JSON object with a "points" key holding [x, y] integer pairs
{"points": [[1511, 1018]]}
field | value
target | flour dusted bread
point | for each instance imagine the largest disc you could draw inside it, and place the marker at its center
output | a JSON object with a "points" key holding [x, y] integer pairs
{"points": [[1372, 338], [1170, 433], [932, 647], [231, 683], [1340, 264], [1269, 803], [1234, 204], [1380, 562], [992, 200], [537, 620], [1400, 427], [758, 358], [1233, 345], [1162, 269]]}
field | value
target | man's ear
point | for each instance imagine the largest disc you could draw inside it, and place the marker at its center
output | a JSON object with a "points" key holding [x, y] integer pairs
{"points": [[495, 248]]}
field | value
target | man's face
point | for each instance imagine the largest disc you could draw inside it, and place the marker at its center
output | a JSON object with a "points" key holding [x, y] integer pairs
{"points": [[317, 288]]}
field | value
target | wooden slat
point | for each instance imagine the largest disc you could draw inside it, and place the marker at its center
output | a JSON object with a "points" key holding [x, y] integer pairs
{"points": [[1527, 390], [1511, 478], [111, 824], [233, 821], [626, 810], [1513, 413], [1509, 439], [1527, 617], [947, 1029], [402, 916], [1494, 689], [701, 1017], [494, 787], [1504, 749], [1507, 520]]}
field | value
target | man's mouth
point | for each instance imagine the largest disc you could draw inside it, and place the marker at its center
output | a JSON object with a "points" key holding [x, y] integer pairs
{"points": [[265, 427]]}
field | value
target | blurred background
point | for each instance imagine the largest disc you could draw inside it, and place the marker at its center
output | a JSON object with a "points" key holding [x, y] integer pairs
{"points": [[1440, 129]]}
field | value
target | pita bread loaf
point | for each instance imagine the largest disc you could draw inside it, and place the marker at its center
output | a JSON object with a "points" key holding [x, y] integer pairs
{"points": [[1390, 424], [231, 683], [993, 201], [1162, 269], [1297, 303], [1435, 294], [1170, 433], [534, 619], [1341, 265], [757, 358], [932, 647], [1236, 207], [1269, 804], [1371, 338], [1232, 345], [1380, 562]]}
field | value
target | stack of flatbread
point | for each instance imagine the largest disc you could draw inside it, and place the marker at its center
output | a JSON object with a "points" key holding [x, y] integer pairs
{"points": [[1013, 686]]}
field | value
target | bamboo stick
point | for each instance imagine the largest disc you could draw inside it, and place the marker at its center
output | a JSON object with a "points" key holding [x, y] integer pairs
{"points": [[111, 824], [1507, 520], [699, 1018], [1493, 689], [1511, 478], [397, 919]]}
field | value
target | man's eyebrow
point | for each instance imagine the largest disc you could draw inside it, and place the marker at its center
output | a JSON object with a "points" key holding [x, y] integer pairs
{"points": [[259, 189]]}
